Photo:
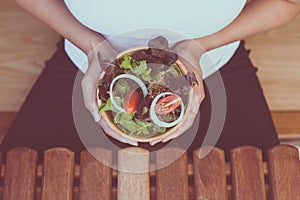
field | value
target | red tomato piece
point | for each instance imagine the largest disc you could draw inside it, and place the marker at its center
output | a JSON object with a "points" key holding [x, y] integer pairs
{"points": [[167, 104], [131, 101]]}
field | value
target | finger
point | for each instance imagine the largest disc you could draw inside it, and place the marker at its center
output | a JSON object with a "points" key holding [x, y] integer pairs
{"points": [[188, 123], [109, 131], [197, 88], [196, 102], [174, 129], [89, 86], [183, 128], [198, 92], [199, 97], [175, 135], [152, 143], [89, 96], [170, 137], [120, 138]]}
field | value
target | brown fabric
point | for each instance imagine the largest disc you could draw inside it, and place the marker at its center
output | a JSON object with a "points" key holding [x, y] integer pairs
{"points": [[45, 120]]}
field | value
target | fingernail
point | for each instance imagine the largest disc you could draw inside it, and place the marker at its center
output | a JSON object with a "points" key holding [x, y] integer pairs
{"points": [[96, 116], [133, 143], [152, 143], [166, 140]]}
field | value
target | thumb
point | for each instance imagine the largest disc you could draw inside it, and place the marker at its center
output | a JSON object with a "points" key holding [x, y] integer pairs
{"points": [[89, 97]]}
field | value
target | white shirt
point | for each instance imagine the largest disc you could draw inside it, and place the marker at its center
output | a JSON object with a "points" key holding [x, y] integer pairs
{"points": [[132, 23]]}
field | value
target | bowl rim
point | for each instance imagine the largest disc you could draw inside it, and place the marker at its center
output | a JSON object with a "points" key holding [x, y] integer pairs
{"points": [[161, 136]]}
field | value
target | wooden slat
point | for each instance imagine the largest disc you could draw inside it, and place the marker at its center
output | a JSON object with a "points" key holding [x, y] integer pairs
{"points": [[58, 174], [172, 180], [133, 174], [284, 172], [209, 175], [95, 176], [247, 173], [20, 174]]}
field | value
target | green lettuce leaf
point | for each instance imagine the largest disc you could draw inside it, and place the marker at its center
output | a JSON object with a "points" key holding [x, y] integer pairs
{"points": [[126, 122], [108, 105], [142, 70], [134, 126], [127, 62]]}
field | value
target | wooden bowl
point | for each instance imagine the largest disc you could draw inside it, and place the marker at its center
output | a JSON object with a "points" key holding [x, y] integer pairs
{"points": [[160, 136]]}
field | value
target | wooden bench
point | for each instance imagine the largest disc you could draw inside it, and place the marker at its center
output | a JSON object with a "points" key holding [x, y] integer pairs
{"points": [[246, 176]]}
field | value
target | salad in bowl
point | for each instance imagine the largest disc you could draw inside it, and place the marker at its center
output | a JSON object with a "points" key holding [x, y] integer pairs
{"points": [[145, 92]]}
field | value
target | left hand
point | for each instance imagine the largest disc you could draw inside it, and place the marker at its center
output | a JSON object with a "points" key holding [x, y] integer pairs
{"points": [[99, 59], [189, 53]]}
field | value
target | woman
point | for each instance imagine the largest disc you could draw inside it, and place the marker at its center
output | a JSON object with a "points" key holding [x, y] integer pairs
{"points": [[45, 119]]}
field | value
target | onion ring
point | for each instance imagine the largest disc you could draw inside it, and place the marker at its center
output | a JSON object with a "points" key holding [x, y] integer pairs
{"points": [[154, 117], [131, 77]]}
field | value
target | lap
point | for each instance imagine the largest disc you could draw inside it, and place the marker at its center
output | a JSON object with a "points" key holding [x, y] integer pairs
{"points": [[45, 120], [248, 120]]}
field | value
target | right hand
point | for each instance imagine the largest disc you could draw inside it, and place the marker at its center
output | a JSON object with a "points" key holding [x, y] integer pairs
{"points": [[99, 58], [189, 52]]}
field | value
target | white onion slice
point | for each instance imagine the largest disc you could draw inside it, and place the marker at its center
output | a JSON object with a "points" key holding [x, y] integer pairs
{"points": [[131, 77], [154, 117]]}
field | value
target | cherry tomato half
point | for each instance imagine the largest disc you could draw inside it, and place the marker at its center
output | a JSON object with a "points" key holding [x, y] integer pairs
{"points": [[167, 104], [131, 101]]}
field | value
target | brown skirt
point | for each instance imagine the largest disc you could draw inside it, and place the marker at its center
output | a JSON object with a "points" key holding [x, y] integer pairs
{"points": [[45, 119]]}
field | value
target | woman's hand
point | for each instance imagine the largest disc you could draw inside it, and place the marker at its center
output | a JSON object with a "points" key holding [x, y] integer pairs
{"points": [[99, 58], [189, 52]]}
